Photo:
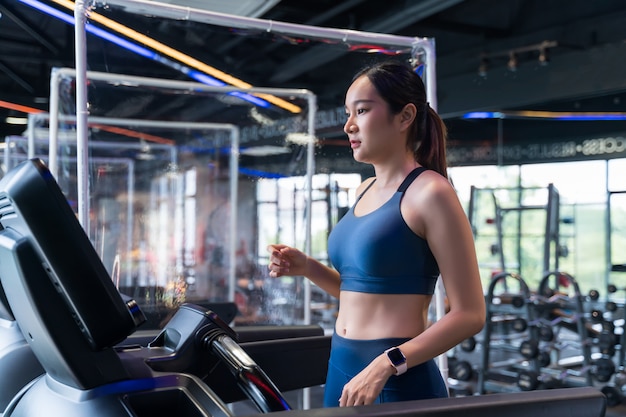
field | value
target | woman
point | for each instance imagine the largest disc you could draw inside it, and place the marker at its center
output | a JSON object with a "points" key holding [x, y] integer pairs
{"points": [[406, 228]]}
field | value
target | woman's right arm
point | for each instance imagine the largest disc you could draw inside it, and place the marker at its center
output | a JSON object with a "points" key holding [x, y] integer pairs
{"points": [[285, 260]]}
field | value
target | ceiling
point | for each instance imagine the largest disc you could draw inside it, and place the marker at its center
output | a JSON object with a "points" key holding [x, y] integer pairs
{"points": [[583, 70]]}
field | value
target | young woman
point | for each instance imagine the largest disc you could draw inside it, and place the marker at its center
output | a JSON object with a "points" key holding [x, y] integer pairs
{"points": [[406, 228]]}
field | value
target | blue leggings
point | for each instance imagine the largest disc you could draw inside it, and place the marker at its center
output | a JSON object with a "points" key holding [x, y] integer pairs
{"points": [[348, 357]]}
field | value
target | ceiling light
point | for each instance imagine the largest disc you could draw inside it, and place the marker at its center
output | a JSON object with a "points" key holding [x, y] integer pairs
{"points": [[483, 67], [511, 56], [264, 150], [300, 138], [12, 120], [544, 59], [512, 63]]}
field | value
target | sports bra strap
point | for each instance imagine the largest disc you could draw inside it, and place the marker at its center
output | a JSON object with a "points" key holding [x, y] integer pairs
{"points": [[409, 178], [364, 191], [405, 184]]}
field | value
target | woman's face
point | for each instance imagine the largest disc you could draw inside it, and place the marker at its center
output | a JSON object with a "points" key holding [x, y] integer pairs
{"points": [[371, 128]]}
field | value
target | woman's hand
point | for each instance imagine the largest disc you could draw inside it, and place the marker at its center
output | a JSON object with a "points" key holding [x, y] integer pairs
{"points": [[285, 260], [367, 385]]}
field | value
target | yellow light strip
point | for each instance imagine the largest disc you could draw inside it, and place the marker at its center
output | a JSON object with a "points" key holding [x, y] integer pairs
{"points": [[561, 114], [179, 56]]}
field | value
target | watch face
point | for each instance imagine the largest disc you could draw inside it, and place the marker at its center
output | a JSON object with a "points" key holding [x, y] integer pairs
{"points": [[396, 357]]}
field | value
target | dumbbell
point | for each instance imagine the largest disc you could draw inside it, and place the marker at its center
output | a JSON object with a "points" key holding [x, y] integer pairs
{"points": [[567, 320], [609, 326], [562, 251], [529, 348], [469, 344], [611, 306], [619, 379], [544, 359], [597, 316], [519, 324], [460, 369], [594, 295], [613, 395], [607, 340], [602, 369], [529, 380], [516, 300], [545, 333]]}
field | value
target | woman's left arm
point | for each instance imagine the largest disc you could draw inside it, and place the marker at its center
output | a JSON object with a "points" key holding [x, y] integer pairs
{"points": [[439, 217]]}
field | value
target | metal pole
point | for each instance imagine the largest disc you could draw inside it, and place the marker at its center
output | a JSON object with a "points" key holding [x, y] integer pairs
{"points": [[310, 171], [428, 45], [53, 123], [130, 207], [221, 19], [234, 186], [82, 171], [181, 85]]}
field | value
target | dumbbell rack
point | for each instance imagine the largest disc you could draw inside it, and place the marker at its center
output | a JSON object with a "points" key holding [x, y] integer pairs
{"points": [[617, 310], [615, 391], [554, 310], [506, 309]]}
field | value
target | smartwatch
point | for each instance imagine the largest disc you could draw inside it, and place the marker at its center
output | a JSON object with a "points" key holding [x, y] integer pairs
{"points": [[397, 360]]}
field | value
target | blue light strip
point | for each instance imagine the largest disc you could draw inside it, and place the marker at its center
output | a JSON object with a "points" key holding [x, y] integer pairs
{"points": [[483, 115], [260, 174], [49, 10], [140, 50]]}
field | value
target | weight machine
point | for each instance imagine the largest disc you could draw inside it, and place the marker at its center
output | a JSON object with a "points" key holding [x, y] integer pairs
{"points": [[515, 213]]}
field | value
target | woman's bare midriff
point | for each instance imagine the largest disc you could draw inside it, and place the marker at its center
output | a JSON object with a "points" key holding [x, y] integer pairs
{"points": [[376, 316]]}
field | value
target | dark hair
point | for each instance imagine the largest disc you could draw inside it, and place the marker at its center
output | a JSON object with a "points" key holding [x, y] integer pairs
{"points": [[398, 84]]}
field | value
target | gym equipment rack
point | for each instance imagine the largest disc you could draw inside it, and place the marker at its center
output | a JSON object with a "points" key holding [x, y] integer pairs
{"points": [[508, 312]]}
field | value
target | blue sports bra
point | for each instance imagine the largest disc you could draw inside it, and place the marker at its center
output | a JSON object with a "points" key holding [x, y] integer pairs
{"points": [[378, 252]]}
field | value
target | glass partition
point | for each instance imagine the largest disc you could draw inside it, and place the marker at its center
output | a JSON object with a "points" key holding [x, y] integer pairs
{"points": [[189, 233]]}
